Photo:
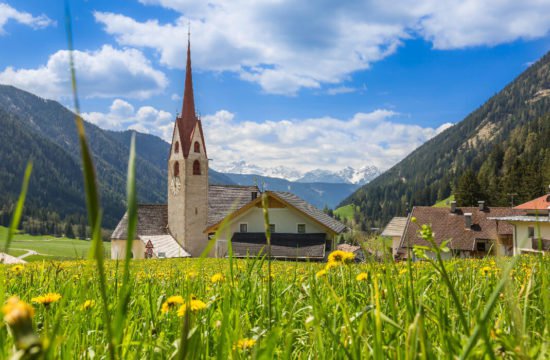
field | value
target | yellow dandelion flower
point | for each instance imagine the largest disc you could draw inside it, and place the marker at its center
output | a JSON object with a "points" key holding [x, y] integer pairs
{"points": [[402, 271], [194, 305], [486, 270], [321, 273], [16, 311], [341, 256], [171, 303], [361, 276], [47, 299], [88, 304], [217, 278], [245, 344], [191, 275], [17, 268]]}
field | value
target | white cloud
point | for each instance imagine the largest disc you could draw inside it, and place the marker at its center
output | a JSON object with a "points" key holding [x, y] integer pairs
{"points": [[105, 73], [8, 13], [325, 143], [122, 116], [285, 46]]}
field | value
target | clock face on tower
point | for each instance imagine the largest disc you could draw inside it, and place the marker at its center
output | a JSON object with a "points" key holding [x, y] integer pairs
{"points": [[175, 185]]}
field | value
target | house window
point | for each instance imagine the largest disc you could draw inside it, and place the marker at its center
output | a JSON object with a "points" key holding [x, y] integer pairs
{"points": [[243, 228], [176, 169], [177, 147], [271, 228], [531, 231], [480, 246], [254, 195], [301, 228], [196, 167], [197, 147]]}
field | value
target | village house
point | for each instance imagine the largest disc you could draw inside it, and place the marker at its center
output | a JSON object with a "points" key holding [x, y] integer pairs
{"points": [[394, 231], [471, 231], [196, 211], [531, 231]]}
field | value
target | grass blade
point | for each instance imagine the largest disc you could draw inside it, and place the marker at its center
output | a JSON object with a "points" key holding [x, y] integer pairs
{"points": [[16, 217]]}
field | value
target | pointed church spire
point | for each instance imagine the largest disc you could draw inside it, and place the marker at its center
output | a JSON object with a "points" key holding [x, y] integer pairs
{"points": [[188, 110]]}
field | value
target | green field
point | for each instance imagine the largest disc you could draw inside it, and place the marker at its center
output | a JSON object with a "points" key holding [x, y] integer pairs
{"points": [[346, 212], [49, 247], [445, 203], [346, 311]]}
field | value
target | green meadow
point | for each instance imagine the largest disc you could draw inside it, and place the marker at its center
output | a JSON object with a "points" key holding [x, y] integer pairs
{"points": [[304, 310], [48, 247]]}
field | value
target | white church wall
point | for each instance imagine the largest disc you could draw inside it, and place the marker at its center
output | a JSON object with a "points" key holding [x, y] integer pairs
{"points": [[118, 249]]}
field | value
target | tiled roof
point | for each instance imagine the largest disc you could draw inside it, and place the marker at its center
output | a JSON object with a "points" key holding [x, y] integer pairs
{"points": [[541, 203], [152, 220], [311, 210], [451, 226], [282, 245], [224, 199], [165, 245], [396, 227]]}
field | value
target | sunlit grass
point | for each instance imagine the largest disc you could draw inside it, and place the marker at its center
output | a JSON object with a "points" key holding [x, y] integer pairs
{"points": [[336, 314]]}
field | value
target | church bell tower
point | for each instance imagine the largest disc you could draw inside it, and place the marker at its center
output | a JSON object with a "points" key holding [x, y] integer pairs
{"points": [[188, 175]]}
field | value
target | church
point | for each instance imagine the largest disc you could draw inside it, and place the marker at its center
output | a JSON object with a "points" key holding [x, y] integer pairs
{"points": [[197, 211]]}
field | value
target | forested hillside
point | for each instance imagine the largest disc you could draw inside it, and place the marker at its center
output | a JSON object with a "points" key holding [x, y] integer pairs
{"points": [[44, 131], [505, 143]]}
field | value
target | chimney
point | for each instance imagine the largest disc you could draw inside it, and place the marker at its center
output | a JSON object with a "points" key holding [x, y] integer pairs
{"points": [[468, 220], [481, 205], [453, 206]]}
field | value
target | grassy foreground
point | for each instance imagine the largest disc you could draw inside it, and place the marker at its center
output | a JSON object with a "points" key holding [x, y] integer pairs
{"points": [[346, 311]]}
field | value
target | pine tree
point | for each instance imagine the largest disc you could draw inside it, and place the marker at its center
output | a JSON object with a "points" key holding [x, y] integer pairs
{"points": [[69, 232], [468, 191]]}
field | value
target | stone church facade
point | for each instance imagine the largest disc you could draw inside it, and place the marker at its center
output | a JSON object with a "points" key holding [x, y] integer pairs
{"points": [[196, 210]]}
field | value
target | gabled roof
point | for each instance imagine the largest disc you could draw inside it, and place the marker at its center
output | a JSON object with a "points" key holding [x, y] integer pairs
{"points": [[396, 227], [165, 245], [225, 199], [152, 220], [310, 210], [291, 200], [451, 226], [541, 203]]}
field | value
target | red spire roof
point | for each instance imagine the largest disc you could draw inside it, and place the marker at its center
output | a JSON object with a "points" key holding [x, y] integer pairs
{"points": [[188, 109], [187, 120]]}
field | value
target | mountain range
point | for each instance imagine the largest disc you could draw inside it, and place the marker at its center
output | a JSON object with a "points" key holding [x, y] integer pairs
{"points": [[44, 131], [347, 175], [505, 143]]}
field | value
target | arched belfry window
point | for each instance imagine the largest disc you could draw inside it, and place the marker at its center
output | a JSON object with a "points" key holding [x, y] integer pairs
{"points": [[177, 147], [176, 169], [196, 167], [197, 147]]}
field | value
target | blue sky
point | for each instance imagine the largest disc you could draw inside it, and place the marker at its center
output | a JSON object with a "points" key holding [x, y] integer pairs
{"points": [[306, 85]]}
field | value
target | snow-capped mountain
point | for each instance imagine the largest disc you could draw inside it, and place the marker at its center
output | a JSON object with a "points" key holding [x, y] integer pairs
{"points": [[244, 168], [347, 175]]}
